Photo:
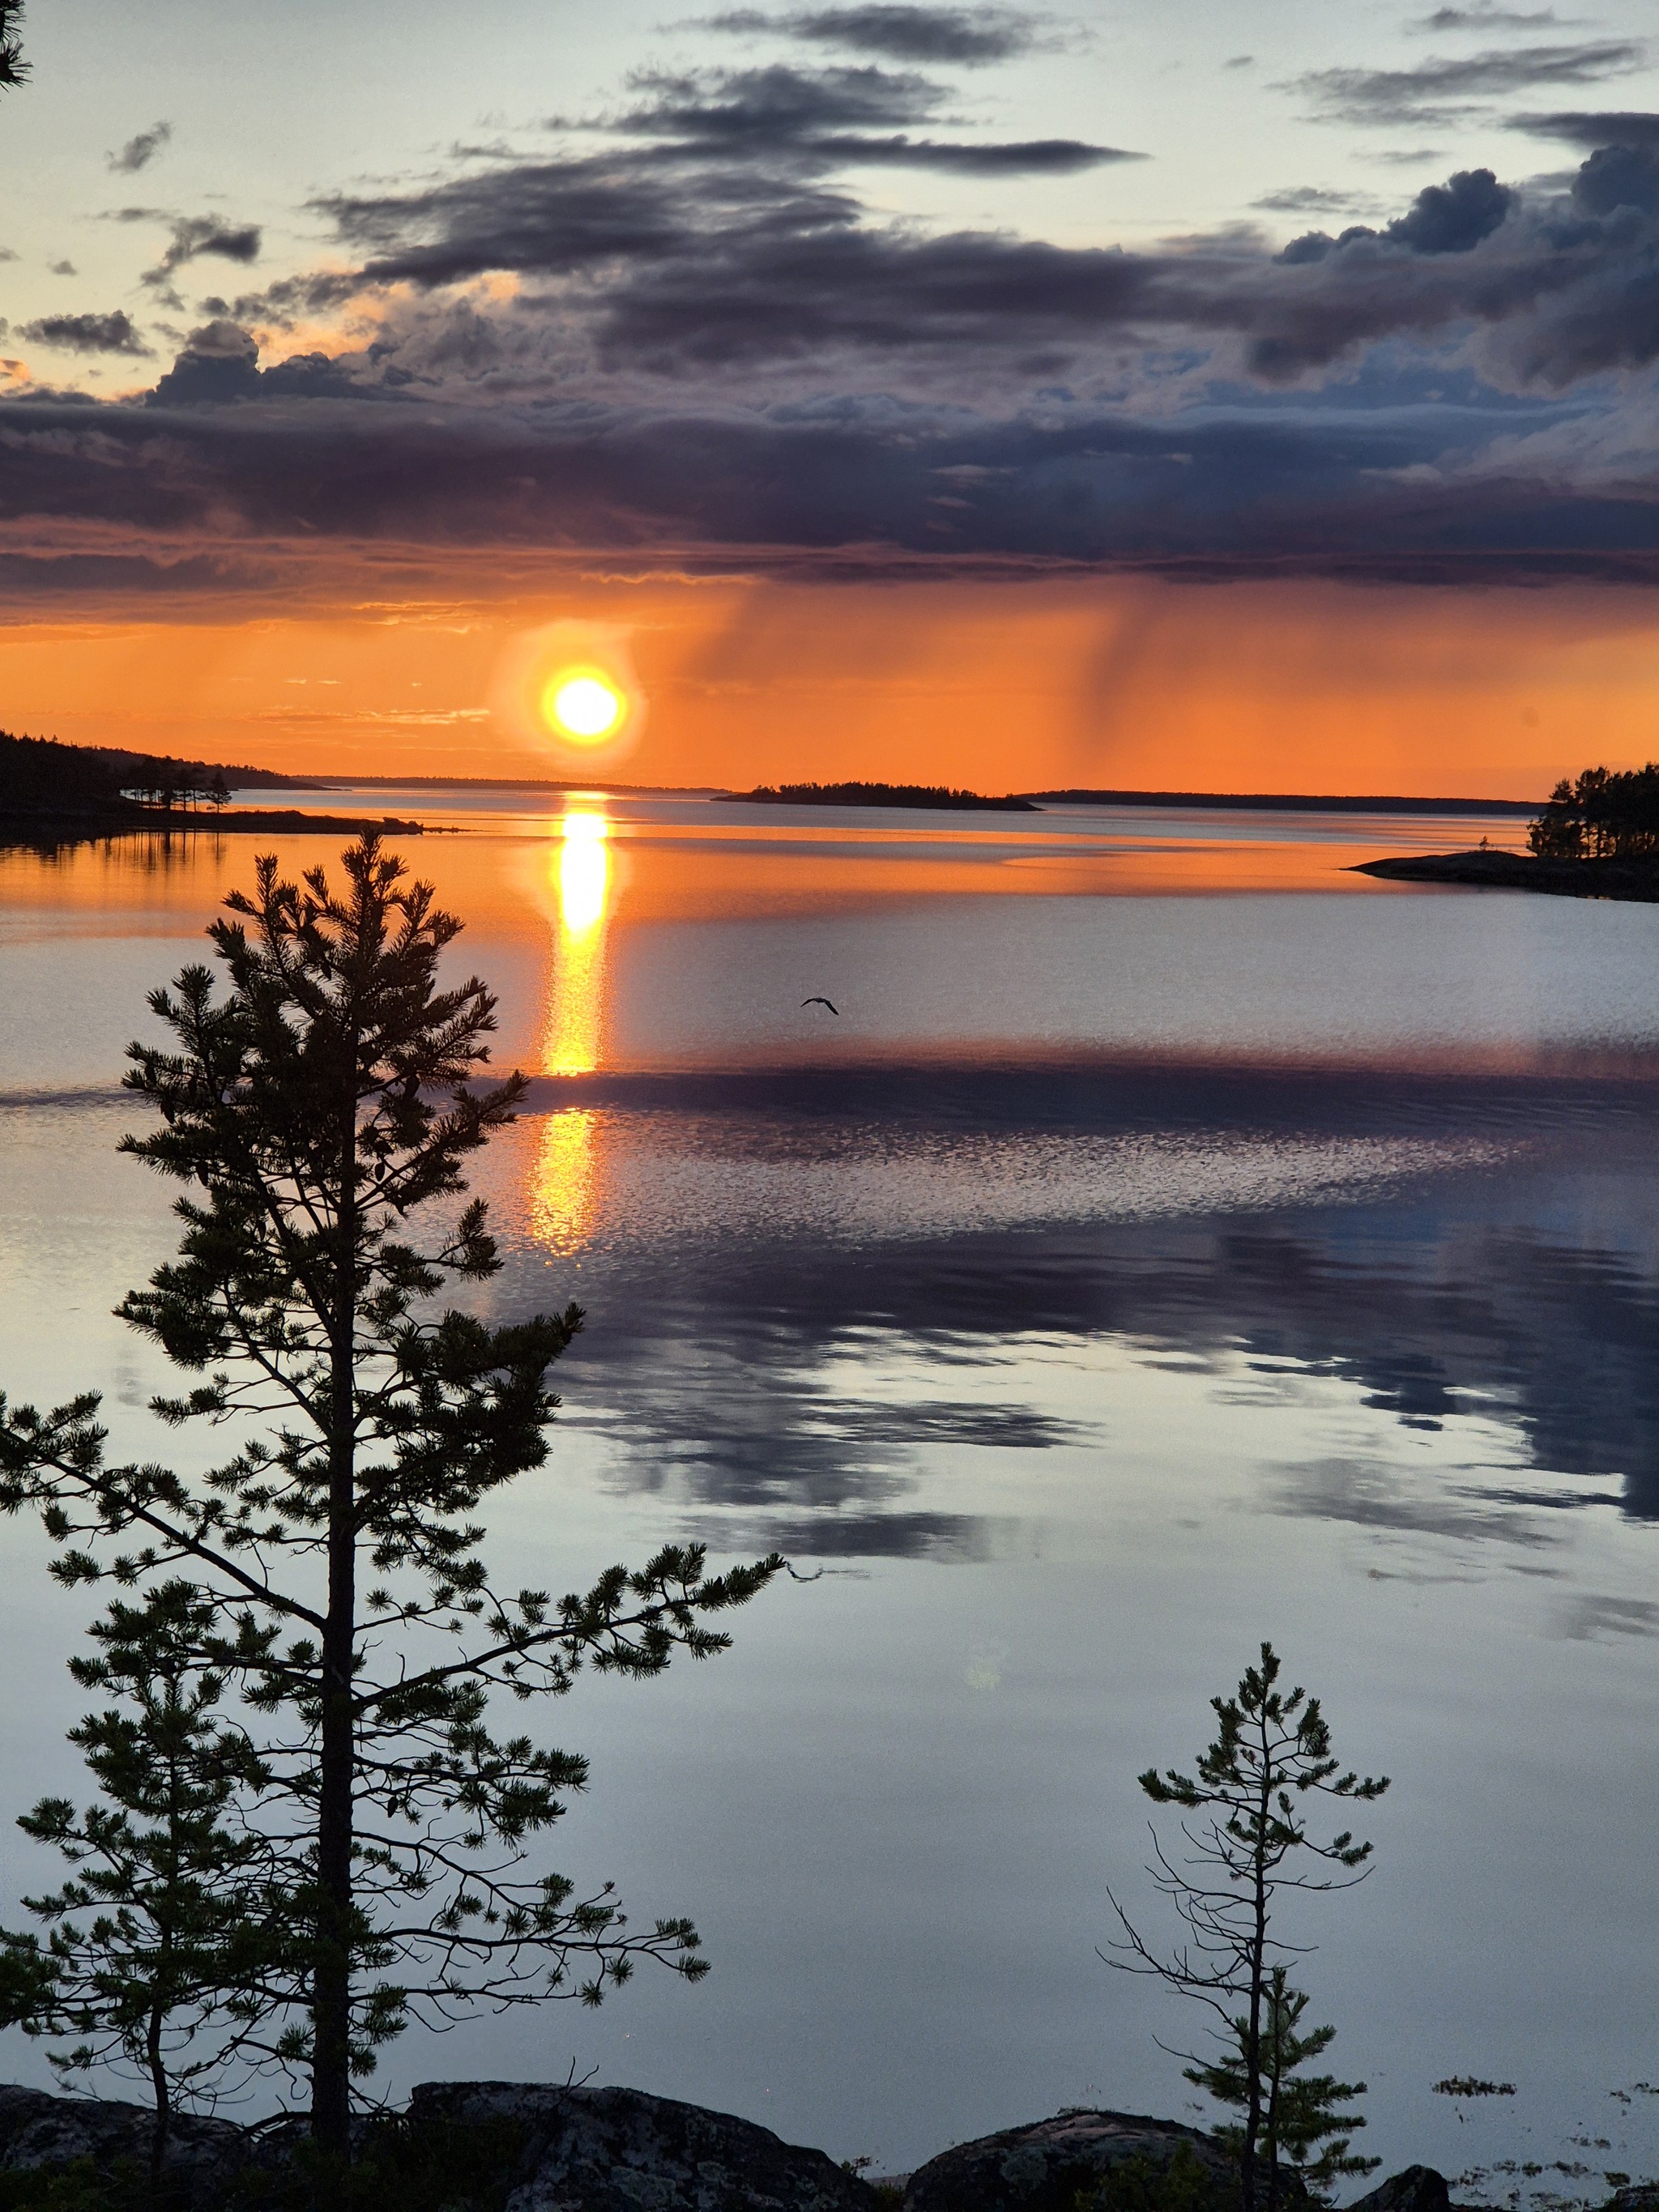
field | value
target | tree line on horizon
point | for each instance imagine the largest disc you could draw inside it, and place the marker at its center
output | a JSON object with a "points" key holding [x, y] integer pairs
{"points": [[43, 776]]}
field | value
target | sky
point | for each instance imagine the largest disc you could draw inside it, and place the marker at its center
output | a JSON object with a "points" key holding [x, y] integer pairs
{"points": [[1194, 395]]}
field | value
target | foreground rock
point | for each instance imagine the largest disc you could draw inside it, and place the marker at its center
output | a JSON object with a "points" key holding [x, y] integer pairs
{"points": [[206, 2158], [1042, 2168], [619, 2150], [529, 2148], [1418, 2189], [521, 2147]]}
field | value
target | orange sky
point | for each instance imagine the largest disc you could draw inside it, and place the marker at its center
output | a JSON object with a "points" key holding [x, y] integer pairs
{"points": [[1126, 683]]}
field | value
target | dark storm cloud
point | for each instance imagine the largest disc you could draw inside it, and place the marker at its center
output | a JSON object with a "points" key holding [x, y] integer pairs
{"points": [[1438, 90], [1018, 157], [196, 236], [968, 37], [1450, 218], [822, 118], [111, 333], [247, 458], [138, 153], [1616, 176], [710, 353], [1488, 19], [731, 276], [1591, 128], [778, 105], [1303, 199], [555, 218]]}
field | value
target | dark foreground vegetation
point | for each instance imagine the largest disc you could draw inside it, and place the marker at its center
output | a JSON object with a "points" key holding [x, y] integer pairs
{"points": [[937, 796], [52, 793], [1601, 816], [1596, 836]]}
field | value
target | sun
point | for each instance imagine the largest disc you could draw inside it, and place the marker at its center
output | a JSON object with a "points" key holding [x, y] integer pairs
{"points": [[583, 704]]}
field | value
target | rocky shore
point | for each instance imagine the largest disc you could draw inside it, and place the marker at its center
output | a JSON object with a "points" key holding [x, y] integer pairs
{"points": [[520, 2147], [48, 827], [1520, 872]]}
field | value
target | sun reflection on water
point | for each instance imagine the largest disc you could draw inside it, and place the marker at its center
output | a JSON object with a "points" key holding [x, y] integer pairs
{"points": [[565, 1200]]}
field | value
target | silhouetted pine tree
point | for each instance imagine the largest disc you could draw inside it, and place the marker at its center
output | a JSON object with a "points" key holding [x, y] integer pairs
{"points": [[1301, 2117], [1271, 1752], [14, 70], [311, 1115], [169, 1948]]}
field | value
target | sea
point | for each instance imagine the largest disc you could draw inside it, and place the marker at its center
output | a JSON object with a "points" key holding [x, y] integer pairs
{"points": [[1163, 1240]]}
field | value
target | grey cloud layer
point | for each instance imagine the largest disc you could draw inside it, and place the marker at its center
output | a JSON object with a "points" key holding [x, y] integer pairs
{"points": [[111, 333], [1438, 91], [711, 353], [1591, 128], [643, 278], [814, 120], [968, 37], [139, 152]]}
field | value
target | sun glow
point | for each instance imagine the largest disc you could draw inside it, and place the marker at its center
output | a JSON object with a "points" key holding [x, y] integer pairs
{"points": [[583, 704]]}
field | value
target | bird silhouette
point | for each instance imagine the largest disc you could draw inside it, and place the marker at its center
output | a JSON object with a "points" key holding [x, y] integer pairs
{"points": [[821, 1002]]}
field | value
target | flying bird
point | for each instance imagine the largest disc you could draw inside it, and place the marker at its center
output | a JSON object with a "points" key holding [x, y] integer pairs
{"points": [[821, 1002]]}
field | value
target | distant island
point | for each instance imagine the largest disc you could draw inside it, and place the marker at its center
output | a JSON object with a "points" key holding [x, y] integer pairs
{"points": [[53, 794], [937, 796], [1595, 837]]}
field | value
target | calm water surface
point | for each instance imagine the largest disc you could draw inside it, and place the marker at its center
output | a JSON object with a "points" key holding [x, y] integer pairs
{"points": [[1172, 1241]]}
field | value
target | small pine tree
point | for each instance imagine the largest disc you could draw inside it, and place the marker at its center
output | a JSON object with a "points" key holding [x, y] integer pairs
{"points": [[1302, 2119], [1271, 1758], [164, 1948]]}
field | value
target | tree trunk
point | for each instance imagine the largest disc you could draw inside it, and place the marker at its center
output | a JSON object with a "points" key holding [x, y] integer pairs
{"points": [[331, 2027], [154, 2055], [1270, 2120], [158, 2075], [1258, 1954]]}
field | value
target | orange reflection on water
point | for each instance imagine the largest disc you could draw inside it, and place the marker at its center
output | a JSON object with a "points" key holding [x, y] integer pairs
{"points": [[565, 1200], [576, 1009]]}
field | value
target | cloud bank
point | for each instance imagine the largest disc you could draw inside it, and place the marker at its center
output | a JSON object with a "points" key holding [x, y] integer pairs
{"points": [[678, 336]]}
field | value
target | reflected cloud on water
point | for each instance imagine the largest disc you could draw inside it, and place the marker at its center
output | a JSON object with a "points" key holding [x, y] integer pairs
{"points": [[1492, 1293]]}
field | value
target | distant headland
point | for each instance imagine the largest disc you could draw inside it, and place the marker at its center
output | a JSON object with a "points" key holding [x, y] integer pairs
{"points": [[935, 796], [1596, 836], [1287, 802], [945, 797], [55, 794]]}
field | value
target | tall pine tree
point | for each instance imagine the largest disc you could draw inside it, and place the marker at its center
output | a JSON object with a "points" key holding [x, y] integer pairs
{"points": [[314, 1115]]}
